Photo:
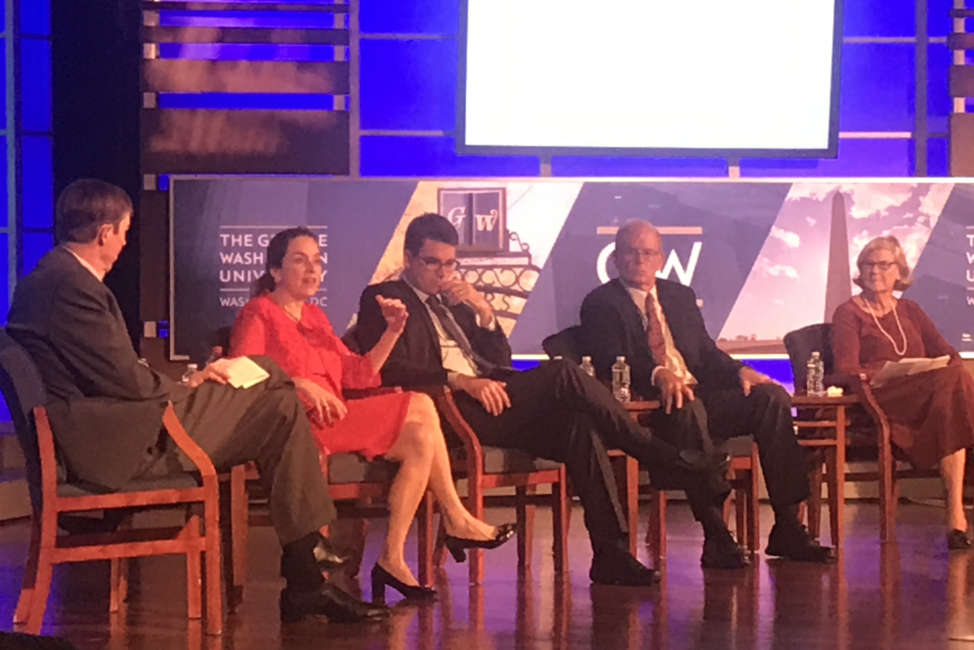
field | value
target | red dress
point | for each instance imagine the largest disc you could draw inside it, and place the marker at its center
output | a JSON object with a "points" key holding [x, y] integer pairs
{"points": [[310, 349], [931, 414]]}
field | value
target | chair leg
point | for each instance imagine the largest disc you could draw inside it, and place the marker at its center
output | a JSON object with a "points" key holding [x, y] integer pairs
{"points": [[22, 613], [524, 515], [561, 511], [475, 556], [753, 507], [115, 579], [656, 532], [424, 539], [239, 529], [740, 517], [214, 564], [194, 577], [439, 546], [42, 589], [835, 462]]}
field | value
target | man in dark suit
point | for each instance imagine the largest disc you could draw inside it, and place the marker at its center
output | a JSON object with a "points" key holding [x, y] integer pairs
{"points": [[657, 325], [106, 406], [554, 411]]}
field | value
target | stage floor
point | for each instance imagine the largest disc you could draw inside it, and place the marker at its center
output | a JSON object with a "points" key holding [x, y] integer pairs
{"points": [[907, 595]]}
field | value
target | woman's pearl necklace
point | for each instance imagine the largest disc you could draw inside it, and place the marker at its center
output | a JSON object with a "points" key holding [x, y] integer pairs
{"points": [[896, 348]]}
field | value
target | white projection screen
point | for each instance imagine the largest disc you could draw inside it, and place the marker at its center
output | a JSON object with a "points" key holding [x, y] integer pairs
{"points": [[665, 77]]}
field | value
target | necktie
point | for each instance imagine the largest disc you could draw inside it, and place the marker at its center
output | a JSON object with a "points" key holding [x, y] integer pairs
{"points": [[454, 332], [654, 331]]}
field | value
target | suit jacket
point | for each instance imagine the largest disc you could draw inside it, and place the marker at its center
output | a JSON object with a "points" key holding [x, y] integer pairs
{"points": [[416, 359], [612, 326], [105, 407]]}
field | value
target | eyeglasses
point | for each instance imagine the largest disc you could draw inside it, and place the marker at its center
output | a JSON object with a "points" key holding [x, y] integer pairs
{"points": [[638, 253], [880, 266], [435, 264]]}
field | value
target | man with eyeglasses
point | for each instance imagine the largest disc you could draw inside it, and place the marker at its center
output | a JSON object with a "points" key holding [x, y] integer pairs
{"points": [[706, 395], [554, 411]]}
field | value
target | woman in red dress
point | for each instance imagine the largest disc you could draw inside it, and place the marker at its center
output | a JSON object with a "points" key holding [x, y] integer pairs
{"points": [[402, 427], [931, 414]]}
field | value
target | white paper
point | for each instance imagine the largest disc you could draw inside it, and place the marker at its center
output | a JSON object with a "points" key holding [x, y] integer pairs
{"points": [[243, 372], [907, 366]]}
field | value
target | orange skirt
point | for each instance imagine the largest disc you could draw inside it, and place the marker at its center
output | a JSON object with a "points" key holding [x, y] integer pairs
{"points": [[370, 428]]}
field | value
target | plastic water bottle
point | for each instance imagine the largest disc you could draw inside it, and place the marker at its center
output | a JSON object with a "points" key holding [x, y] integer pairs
{"points": [[587, 367], [815, 384], [191, 369], [620, 380]]}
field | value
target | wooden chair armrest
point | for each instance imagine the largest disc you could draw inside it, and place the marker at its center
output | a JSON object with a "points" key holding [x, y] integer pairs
{"points": [[187, 445], [359, 393], [442, 397]]}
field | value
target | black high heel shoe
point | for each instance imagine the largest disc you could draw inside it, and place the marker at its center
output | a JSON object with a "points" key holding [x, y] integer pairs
{"points": [[456, 545], [382, 579]]}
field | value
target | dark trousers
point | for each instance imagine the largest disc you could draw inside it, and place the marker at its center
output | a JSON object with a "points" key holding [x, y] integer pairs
{"points": [[267, 424], [721, 413], [560, 413]]}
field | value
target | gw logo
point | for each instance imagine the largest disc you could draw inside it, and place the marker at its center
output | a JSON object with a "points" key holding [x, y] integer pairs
{"points": [[684, 272], [482, 222]]}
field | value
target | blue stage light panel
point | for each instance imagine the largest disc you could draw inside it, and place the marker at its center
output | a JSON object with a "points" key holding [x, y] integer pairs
{"points": [[635, 166], [249, 101], [3, 81], [435, 156], [5, 220], [939, 22], [247, 52], [879, 18], [409, 85], [939, 103], [4, 281], [35, 84], [398, 17], [35, 17], [857, 158], [938, 157], [37, 198], [269, 19], [34, 246], [877, 87]]}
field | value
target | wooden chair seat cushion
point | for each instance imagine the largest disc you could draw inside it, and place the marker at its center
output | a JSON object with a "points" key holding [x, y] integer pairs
{"points": [[171, 482], [504, 461]]}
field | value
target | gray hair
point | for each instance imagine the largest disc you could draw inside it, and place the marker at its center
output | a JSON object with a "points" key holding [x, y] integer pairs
{"points": [[891, 244]]}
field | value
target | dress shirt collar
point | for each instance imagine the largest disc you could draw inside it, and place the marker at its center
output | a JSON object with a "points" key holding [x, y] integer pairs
{"points": [[83, 262]]}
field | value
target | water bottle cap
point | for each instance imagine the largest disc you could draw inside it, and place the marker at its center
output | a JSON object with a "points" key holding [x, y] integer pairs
{"points": [[816, 354], [586, 359], [620, 358]]}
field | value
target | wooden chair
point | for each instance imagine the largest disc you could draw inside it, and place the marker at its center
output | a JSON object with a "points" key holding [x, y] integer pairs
{"points": [[487, 467], [742, 472], [53, 498], [818, 416]]}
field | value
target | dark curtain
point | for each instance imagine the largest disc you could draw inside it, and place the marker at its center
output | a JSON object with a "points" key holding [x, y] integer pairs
{"points": [[96, 52]]}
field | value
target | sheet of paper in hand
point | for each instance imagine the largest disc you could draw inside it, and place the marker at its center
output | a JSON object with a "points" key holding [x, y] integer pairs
{"points": [[907, 366], [243, 372]]}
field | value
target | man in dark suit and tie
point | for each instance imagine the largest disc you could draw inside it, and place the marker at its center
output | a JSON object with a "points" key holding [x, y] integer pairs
{"points": [[106, 406], [657, 325], [554, 411]]}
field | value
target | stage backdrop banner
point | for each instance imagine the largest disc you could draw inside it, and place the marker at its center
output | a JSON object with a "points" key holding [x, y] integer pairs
{"points": [[764, 257]]}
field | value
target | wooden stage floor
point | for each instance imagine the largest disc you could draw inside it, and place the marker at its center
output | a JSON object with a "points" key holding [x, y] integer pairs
{"points": [[907, 595]]}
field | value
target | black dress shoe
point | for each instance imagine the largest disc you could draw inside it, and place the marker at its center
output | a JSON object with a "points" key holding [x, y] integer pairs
{"points": [[618, 567], [382, 579], [694, 460], [723, 553], [456, 545], [957, 540], [328, 600], [792, 541]]}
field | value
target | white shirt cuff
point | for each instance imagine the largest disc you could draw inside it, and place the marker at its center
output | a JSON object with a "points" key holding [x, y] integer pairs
{"points": [[491, 323], [652, 377]]}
